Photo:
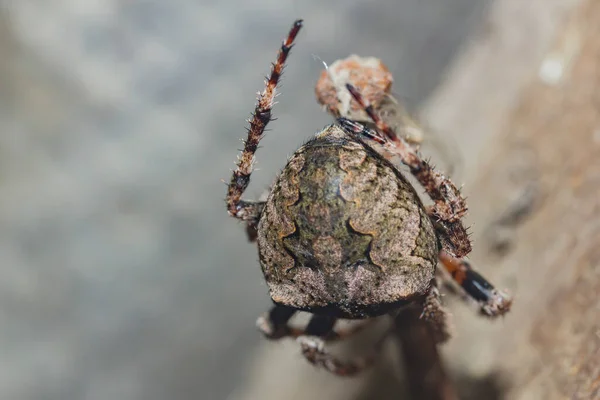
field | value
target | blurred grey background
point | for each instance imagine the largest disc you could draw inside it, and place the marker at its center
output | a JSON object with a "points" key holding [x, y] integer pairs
{"points": [[122, 277]]}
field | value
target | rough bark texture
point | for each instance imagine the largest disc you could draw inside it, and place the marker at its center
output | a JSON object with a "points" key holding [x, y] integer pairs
{"points": [[536, 202], [554, 256]]}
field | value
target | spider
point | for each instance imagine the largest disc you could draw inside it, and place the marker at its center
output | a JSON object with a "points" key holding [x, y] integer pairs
{"points": [[343, 234]]}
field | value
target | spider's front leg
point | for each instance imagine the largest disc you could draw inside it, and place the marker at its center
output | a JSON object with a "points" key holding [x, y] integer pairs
{"points": [[492, 302], [249, 211], [446, 213], [449, 206]]}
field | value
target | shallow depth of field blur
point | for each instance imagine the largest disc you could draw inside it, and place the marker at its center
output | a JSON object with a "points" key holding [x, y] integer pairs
{"points": [[122, 277]]}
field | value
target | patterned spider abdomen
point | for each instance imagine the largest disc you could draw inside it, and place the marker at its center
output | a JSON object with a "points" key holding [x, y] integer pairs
{"points": [[344, 233]]}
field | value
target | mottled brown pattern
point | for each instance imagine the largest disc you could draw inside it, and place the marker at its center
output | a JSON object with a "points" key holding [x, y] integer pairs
{"points": [[328, 253], [344, 230], [271, 240]]}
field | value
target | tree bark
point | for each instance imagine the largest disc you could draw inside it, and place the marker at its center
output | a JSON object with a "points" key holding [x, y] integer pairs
{"points": [[426, 376], [536, 200]]}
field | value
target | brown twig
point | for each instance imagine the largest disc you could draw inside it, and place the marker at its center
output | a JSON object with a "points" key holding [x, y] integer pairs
{"points": [[427, 378]]}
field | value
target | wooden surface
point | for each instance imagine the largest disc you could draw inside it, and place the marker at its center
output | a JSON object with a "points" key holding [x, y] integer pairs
{"points": [[543, 166], [554, 258]]}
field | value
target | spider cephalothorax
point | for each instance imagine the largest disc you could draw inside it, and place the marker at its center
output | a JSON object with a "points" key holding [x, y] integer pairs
{"points": [[343, 234]]}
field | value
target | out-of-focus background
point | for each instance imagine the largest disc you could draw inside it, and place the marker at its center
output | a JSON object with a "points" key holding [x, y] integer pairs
{"points": [[122, 277]]}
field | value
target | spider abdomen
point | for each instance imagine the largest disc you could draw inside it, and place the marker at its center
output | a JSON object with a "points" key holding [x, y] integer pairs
{"points": [[344, 233]]}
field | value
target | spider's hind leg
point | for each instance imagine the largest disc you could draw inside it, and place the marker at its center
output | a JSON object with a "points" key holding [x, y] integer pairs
{"points": [[492, 302], [274, 325], [313, 349], [320, 329], [435, 314]]}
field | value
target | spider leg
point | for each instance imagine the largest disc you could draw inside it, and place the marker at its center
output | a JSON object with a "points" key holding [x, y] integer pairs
{"points": [[313, 349], [253, 209], [274, 325], [492, 302], [238, 208], [312, 339], [435, 314], [449, 206]]}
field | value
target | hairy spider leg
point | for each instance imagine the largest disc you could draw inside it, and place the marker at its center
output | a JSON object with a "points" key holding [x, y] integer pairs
{"points": [[250, 211], [449, 205], [492, 302], [313, 349], [435, 314], [274, 325], [320, 329]]}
